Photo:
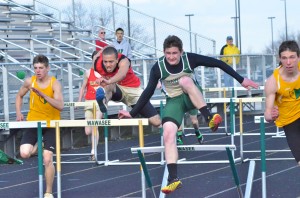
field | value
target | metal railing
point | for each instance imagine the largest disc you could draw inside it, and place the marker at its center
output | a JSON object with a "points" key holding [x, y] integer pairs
{"points": [[261, 66]]}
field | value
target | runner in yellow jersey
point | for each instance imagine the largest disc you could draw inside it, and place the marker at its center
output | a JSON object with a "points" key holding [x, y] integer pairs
{"points": [[283, 95], [46, 102]]}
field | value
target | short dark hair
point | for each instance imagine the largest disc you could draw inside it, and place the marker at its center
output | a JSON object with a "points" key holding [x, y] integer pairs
{"points": [[119, 29], [41, 59], [108, 50], [173, 41], [289, 46]]}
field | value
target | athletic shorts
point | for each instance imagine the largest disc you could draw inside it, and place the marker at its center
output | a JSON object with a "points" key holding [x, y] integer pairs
{"points": [[89, 111], [193, 112], [29, 136], [292, 133], [176, 108], [130, 95]]}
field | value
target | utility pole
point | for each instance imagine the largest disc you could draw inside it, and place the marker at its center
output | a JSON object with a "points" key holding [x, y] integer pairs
{"points": [[271, 18], [190, 29], [286, 33], [128, 19]]}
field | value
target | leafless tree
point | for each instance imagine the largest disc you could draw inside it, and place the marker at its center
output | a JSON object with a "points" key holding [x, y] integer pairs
{"points": [[89, 18]]}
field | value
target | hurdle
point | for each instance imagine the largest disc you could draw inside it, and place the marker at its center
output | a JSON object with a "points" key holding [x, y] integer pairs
{"points": [[228, 148], [93, 104], [94, 131], [257, 119], [31, 124], [95, 123]]}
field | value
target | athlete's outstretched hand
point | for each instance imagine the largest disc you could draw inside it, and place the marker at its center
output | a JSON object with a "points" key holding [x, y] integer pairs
{"points": [[247, 83], [123, 114]]}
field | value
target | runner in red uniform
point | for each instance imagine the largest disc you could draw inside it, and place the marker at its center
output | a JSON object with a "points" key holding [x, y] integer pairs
{"points": [[120, 83]]}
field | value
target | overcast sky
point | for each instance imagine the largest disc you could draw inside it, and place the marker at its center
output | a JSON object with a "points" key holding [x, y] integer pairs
{"points": [[212, 18]]}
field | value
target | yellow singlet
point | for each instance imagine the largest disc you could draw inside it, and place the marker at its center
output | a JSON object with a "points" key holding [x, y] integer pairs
{"points": [[287, 99], [39, 108]]}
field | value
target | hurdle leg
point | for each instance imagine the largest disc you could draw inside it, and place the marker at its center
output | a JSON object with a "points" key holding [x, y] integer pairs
{"points": [[141, 141], [40, 160], [95, 135], [58, 162], [161, 134], [164, 181], [250, 179], [106, 140], [146, 173], [234, 172], [263, 157]]}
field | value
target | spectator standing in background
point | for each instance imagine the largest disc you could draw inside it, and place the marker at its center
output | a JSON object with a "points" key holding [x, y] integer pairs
{"points": [[101, 42], [229, 49], [121, 44]]}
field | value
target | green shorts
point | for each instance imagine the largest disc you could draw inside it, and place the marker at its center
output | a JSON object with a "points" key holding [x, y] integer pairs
{"points": [[176, 108], [193, 112]]}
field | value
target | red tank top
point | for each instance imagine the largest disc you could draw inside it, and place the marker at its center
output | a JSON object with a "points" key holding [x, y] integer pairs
{"points": [[131, 80], [91, 86]]}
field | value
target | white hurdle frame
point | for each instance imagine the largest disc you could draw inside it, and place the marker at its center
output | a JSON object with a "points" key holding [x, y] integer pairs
{"points": [[30, 124], [93, 104], [94, 122], [158, 149]]}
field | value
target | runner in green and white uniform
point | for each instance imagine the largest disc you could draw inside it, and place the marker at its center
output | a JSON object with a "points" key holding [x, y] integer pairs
{"points": [[175, 69]]}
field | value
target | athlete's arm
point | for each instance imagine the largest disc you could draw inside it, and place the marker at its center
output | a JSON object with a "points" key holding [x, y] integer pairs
{"points": [[19, 98], [197, 60], [83, 86], [57, 100], [148, 92], [271, 111], [200, 60]]}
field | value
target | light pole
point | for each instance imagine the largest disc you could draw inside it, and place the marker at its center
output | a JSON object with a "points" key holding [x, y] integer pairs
{"points": [[239, 17], [128, 18], [236, 31], [189, 15], [271, 18], [286, 34]]}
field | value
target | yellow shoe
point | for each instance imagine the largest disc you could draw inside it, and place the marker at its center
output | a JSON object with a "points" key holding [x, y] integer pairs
{"points": [[214, 122], [172, 186]]}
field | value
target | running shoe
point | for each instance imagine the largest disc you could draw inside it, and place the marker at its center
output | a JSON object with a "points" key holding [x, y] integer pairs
{"points": [[179, 141], [179, 138], [214, 122], [100, 97], [92, 158], [200, 138], [172, 186], [48, 195]]}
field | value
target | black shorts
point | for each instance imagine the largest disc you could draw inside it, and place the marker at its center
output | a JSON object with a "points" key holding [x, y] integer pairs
{"points": [[29, 136], [292, 133], [147, 111]]}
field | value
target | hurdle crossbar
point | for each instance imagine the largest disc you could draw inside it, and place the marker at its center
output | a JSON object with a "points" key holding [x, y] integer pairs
{"points": [[21, 124], [98, 122], [158, 149], [90, 103], [229, 89]]}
